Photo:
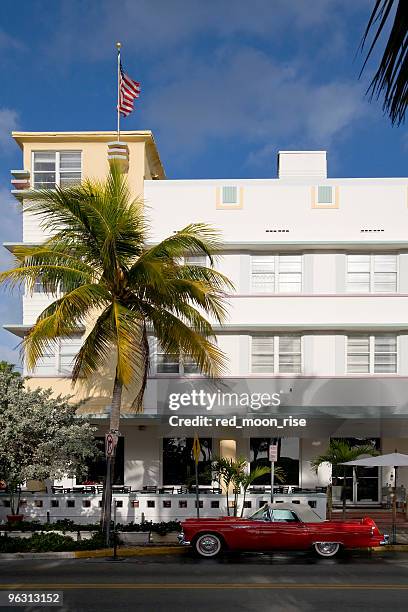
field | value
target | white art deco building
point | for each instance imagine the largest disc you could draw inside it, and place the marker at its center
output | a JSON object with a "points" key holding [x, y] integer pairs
{"points": [[319, 313]]}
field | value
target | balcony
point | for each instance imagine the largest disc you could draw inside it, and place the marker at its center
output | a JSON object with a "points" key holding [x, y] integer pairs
{"points": [[20, 183], [302, 312]]}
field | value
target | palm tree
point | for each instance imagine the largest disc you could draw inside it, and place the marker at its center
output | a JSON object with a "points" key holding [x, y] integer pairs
{"points": [[391, 75], [119, 288], [338, 452], [228, 471], [261, 470]]}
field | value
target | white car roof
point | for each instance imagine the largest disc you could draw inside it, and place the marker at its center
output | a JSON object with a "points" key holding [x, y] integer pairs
{"points": [[304, 512]]}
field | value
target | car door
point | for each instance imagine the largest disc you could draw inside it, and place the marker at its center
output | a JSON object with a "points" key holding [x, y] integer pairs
{"points": [[284, 531], [246, 534]]}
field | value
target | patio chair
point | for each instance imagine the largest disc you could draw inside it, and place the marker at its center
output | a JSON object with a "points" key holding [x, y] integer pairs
{"points": [[167, 490], [183, 490], [149, 489], [256, 489]]}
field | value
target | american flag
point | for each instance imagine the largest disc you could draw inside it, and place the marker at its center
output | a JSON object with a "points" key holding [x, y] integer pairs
{"points": [[128, 91]]}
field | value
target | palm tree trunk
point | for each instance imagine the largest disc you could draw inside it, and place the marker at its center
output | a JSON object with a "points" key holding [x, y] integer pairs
{"points": [[243, 502], [329, 501], [110, 461], [226, 493], [344, 494]]}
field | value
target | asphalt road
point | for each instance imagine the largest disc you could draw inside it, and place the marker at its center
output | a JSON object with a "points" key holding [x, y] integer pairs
{"points": [[258, 583]]}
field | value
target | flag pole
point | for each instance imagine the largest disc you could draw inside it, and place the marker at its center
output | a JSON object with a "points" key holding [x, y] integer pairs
{"points": [[118, 46]]}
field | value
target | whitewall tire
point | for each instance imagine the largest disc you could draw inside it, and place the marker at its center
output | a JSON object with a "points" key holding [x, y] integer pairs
{"points": [[208, 545], [327, 549]]}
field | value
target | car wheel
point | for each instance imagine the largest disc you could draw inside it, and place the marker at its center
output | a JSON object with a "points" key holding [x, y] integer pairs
{"points": [[208, 545], [327, 549]]}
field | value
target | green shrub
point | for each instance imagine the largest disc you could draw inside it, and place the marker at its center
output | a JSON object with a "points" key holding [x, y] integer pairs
{"points": [[49, 542], [161, 528]]}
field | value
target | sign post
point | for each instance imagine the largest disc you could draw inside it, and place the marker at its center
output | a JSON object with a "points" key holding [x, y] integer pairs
{"points": [[111, 441], [273, 456], [196, 453]]}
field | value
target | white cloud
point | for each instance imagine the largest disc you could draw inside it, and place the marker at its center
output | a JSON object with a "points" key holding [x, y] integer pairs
{"points": [[242, 93], [10, 304], [148, 28], [8, 122]]}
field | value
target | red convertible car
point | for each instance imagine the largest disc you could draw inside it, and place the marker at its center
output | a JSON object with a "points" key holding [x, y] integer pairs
{"points": [[282, 526]]}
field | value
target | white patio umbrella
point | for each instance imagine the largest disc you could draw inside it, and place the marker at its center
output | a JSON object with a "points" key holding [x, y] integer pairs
{"points": [[394, 460]]}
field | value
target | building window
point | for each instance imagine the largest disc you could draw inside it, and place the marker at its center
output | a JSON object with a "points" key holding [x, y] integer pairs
{"points": [[96, 468], [179, 463], [325, 196], [368, 354], [46, 365], [229, 194], [371, 273], [276, 354], [288, 459], [229, 197], [196, 260], [38, 286], [167, 363], [69, 348], [52, 168], [277, 273]]}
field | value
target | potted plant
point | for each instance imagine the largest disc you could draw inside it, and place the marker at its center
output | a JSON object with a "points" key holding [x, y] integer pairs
{"points": [[247, 479], [14, 490]]}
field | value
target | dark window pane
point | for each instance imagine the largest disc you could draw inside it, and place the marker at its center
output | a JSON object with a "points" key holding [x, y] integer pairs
{"points": [[97, 467], [179, 465]]}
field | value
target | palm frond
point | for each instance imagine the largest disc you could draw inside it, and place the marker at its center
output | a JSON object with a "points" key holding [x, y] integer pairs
{"points": [[194, 239], [391, 77], [175, 337]]}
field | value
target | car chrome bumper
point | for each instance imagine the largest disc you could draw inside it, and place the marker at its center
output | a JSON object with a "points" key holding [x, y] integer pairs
{"points": [[182, 541], [385, 540]]}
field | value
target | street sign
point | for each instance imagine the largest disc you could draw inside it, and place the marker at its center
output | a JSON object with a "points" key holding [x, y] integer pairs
{"points": [[111, 441], [273, 452], [196, 448]]}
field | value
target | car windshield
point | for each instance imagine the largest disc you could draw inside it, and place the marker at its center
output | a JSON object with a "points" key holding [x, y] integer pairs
{"points": [[284, 516], [261, 515]]}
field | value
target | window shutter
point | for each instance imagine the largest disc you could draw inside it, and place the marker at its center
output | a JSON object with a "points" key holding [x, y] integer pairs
{"points": [[290, 356], [290, 273], [263, 273], [263, 354], [229, 194], [358, 354], [358, 273], [324, 194], [385, 273], [385, 354]]}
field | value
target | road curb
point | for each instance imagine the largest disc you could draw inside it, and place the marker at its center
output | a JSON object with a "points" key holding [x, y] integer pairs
{"points": [[141, 551], [134, 551], [39, 555]]}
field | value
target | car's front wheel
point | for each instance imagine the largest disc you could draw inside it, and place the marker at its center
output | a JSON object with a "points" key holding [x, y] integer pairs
{"points": [[208, 545], [327, 549]]}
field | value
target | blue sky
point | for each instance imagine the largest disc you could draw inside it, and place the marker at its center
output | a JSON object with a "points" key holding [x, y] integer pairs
{"points": [[226, 83]]}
